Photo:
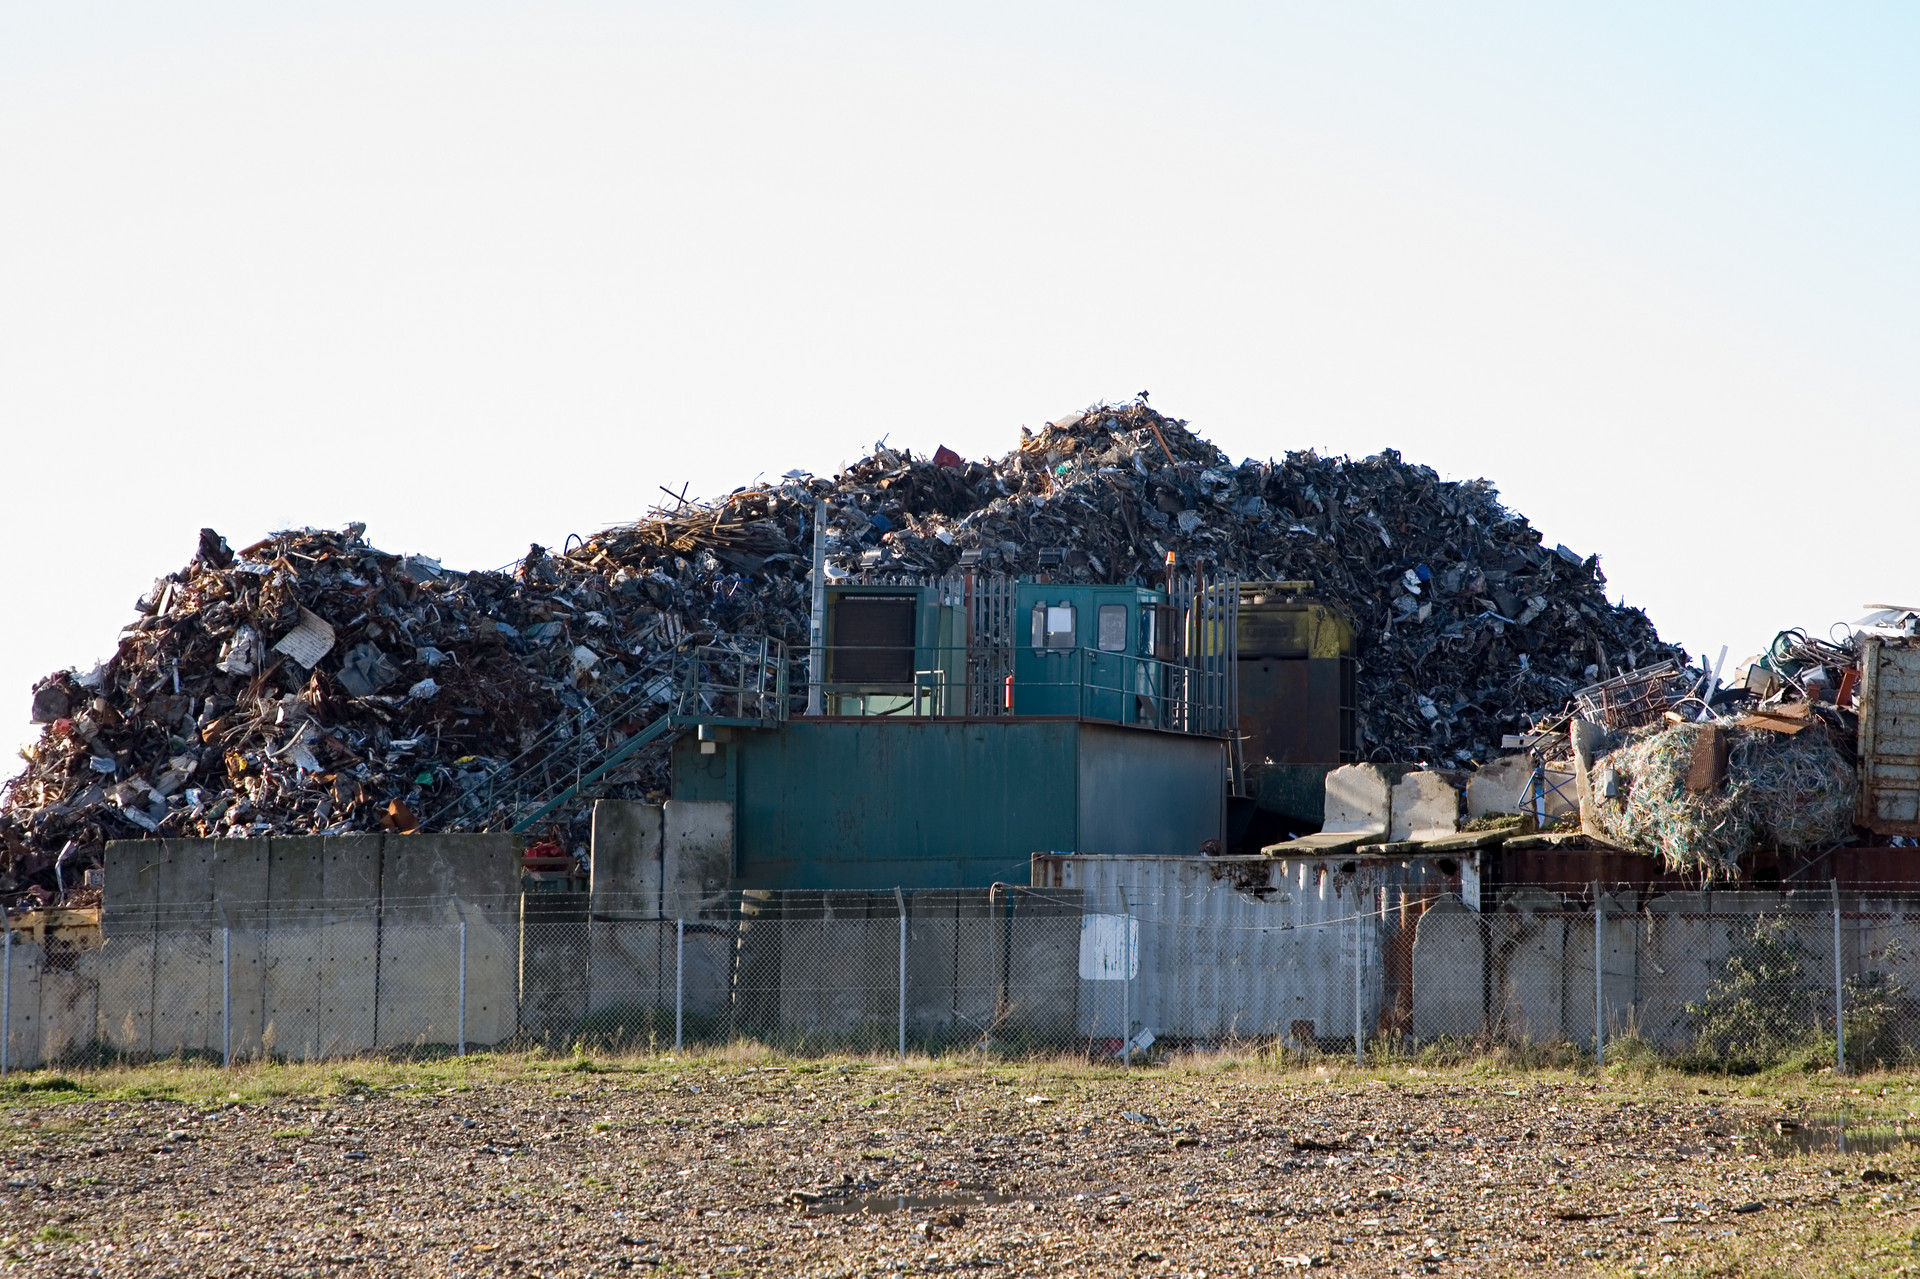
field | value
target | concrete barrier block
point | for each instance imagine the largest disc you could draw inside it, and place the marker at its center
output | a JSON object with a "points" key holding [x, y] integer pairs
{"points": [[696, 858], [493, 970], [290, 979], [421, 873], [630, 969], [626, 858], [1425, 806], [1500, 786], [419, 995], [130, 873], [1359, 801], [26, 1022], [709, 968], [1449, 960], [296, 881], [247, 951], [348, 989], [186, 992], [1527, 955], [553, 965], [126, 993], [838, 972], [69, 1007]]}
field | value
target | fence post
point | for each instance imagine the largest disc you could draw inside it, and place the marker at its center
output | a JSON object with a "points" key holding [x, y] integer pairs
{"points": [[1599, 981], [679, 985], [6, 995], [1359, 1018], [901, 898], [462, 1049], [1839, 990], [1126, 979], [226, 995]]}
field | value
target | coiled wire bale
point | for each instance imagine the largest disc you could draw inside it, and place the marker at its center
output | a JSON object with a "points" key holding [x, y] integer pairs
{"points": [[1786, 792], [1802, 788]]}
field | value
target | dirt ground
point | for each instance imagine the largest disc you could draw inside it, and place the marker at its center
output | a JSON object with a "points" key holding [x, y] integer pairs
{"points": [[736, 1166]]}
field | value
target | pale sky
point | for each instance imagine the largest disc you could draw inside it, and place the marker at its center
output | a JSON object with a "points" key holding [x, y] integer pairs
{"points": [[487, 274]]}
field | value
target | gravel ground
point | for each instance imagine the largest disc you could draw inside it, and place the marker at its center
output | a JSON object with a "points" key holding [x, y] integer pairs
{"points": [[719, 1168]]}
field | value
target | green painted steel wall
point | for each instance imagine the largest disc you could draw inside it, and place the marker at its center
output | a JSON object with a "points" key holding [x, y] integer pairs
{"points": [[872, 803]]}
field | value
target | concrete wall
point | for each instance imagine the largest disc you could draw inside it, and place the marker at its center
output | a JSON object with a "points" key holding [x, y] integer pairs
{"points": [[654, 866], [330, 946], [340, 946]]}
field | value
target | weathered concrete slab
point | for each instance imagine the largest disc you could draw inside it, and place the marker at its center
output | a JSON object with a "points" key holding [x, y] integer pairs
{"points": [[1425, 806], [838, 973], [69, 1007], [348, 995], [126, 993], [421, 873], [1359, 801], [186, 991], [493, 967], [553, 965], [26, 1029], [419, 995], [1449, 955], [1527, 942], [290, 977], [696, 858], [627, 849]]}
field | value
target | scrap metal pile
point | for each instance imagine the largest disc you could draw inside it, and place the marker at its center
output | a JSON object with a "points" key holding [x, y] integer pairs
{"points": [[314, 683], [1702, 776]]}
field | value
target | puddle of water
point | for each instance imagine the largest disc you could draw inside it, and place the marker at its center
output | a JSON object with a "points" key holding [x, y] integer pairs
{"points": [[1835, 1134], [908, 1203]]}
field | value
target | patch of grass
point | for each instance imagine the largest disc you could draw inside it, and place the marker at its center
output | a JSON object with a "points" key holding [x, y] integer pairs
{"points": [[54, 1234], [44, 1084], [291, 1134]]}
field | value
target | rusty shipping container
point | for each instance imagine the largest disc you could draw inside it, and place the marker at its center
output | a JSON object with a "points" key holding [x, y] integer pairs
{"points": [[1889, 736]]}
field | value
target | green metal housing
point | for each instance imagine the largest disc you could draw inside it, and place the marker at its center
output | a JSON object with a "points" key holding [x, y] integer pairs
{"points": [[870, 802]]}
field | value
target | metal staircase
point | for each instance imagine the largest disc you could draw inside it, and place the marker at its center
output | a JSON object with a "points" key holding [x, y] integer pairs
{"points": [[737, 681]]}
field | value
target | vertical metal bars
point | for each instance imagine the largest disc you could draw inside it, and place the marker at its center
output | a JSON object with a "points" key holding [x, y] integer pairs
{"points": [[679, 985]]}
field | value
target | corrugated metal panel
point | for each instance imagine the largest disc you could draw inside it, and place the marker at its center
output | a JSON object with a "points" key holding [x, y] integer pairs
{"points": [[1890, 737], [1250, 947]]}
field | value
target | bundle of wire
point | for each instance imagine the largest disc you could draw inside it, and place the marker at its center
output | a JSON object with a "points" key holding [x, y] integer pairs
{"points": [[1786, 792]]}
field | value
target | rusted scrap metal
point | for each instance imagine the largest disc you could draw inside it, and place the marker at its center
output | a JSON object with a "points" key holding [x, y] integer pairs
{"points": [[311, 682]]}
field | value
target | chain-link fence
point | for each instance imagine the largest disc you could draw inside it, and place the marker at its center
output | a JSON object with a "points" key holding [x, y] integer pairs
{"points": [[1209, 957]]}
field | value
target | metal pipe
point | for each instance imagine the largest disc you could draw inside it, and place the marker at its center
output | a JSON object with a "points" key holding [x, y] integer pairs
{"points": [[679, 985], [1599, 982], [817, 622], [462, 1049], [901, 898], [1839, 990]]}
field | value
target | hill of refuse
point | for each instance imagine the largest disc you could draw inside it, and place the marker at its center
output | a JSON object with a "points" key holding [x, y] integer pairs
{"points": [[312, 682]]}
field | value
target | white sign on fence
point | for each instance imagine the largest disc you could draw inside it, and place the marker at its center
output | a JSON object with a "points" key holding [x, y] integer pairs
{"points": [[1109, 948]]}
